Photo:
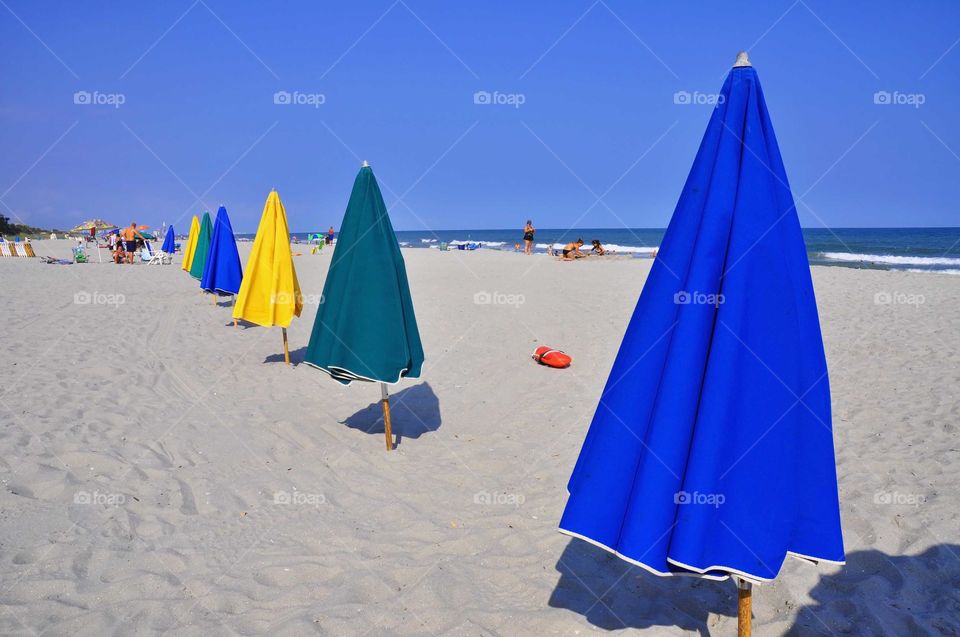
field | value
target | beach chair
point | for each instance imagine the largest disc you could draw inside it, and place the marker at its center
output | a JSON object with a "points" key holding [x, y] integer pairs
{"points": [[3, 249], [79, 256], [29, 250], [15, 250]]}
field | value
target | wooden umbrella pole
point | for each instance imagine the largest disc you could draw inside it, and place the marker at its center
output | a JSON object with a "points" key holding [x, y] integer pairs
{"points": [[387, 430], [286, 349], [214, 295], [744, 608]]}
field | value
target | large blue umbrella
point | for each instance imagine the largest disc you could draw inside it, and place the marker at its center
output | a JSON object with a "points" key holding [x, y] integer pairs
{"points": [[222, 272], [169, 242], [711, 449]]}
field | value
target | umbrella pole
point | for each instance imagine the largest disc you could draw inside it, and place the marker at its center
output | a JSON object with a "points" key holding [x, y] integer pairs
{"points": [[234, 305], [286, 350], [387, 430], [744, 608]]}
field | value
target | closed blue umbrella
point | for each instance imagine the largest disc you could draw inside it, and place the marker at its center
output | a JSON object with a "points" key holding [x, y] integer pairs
{"points": [[169, 242], [711, 449], [222, 272]]}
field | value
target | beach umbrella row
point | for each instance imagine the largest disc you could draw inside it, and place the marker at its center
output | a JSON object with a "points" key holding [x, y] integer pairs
{"points": [[191, 244]]}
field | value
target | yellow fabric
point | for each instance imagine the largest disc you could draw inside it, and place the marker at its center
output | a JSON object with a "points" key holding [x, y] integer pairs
{"points": [[270, 293], [191, 244]]}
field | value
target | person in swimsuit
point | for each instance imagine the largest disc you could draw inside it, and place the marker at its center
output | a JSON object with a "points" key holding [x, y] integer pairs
{"points": [[330, 235], [528, 231], [571, 251], [597, 247], [130, 235]]}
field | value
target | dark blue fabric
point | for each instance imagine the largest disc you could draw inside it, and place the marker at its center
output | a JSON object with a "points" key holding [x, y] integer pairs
{"points": [[169, 242], [711, 447], [222, 273]]}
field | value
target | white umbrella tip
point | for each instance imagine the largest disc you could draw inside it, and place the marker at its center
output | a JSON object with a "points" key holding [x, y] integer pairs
{"points": [[365, 164], [742, 60]]}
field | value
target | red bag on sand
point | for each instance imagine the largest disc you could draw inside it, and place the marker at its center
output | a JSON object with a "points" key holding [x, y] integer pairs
{"points": [[551, 357]]}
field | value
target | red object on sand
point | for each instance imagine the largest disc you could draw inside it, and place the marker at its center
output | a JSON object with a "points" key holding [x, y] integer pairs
{"points": [[551, 357]]}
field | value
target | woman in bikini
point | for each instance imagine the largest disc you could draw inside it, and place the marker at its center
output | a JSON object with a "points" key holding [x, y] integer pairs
{"points": [[528, 231]]}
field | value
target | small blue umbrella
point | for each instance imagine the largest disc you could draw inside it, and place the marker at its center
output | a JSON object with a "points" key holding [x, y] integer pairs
{"points": [[711, 449], [222, 272], [169, 242]]}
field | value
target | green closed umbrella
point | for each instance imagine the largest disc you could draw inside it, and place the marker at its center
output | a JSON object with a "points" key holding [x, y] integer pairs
{"points": [[365, 327], [203, 247]]}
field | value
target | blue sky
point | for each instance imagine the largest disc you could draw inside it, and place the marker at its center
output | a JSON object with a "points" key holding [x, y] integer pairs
{"points": [[585, 130]]}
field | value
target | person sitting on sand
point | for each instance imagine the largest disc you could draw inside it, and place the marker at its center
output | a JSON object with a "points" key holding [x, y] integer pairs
{"points": [[130, 235], [118, 254], [571, 251], [597, 247]]}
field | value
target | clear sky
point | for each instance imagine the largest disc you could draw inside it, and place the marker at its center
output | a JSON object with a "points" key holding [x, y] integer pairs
{"points": [[152, 111]]}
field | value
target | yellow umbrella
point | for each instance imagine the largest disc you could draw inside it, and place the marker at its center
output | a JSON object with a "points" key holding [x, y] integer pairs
{"points": [[191, 244], [99, 224], [270, 293]]}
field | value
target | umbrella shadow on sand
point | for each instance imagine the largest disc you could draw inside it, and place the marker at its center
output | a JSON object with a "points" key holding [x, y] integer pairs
{"points": [[880, 594], [414, 411], [296, 356], [613, 594]]}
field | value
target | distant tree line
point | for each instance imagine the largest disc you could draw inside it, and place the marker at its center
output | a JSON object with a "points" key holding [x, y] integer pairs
{"points": [[18, 228]]}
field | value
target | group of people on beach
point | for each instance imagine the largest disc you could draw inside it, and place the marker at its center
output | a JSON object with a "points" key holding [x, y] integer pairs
{"points": [[125, 244], [569, 252]]}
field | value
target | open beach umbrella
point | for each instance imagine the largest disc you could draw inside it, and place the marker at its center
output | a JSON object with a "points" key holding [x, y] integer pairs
{"points": [[169, 242], [201, 248], [365, 327], [222, 272], [270, 293], [711, 449], [191, 244], [99, 224]]}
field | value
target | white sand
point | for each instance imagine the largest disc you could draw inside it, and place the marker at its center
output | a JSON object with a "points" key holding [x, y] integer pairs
{"points": [[182, 430]]}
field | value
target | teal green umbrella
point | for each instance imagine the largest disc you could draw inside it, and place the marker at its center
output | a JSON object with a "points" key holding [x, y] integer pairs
{"points": [[365, 327], [203, 247]]}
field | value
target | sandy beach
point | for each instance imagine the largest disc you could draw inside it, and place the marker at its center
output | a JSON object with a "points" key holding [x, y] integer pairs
{"points": [[164, 471]]}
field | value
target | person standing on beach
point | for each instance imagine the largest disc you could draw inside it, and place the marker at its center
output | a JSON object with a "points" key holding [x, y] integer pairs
{"points": [[330, 234], [528, 231], [130, 236]]}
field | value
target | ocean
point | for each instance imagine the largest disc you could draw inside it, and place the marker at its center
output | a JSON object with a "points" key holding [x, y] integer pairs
{"points": [[911, 249]]}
